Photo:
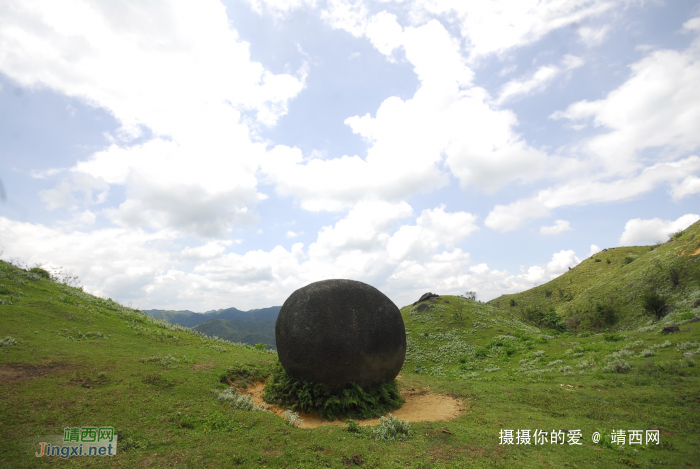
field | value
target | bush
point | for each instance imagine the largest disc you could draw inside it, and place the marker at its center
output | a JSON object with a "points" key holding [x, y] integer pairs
{"points": [[392, 429], [613, 337], [627, 260], [675, 276], [40, 272], [647, 353], [353, 427], [292, 418], [512, 302], [238, 401], [351, 400], [7, 341], [654, 303], [617, 366]]}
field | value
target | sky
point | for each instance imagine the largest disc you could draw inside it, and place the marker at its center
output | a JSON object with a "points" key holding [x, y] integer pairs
{"points": [[210, 154]]}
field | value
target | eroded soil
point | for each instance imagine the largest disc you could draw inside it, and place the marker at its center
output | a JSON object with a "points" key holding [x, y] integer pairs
{"points": [[420, 405]]}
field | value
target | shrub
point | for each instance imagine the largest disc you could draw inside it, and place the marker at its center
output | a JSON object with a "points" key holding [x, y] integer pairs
{"points": [[238, 401], [647, 353], [353, 427], [512, 302], [662, 345], [351, 400], [564, 369], [617, 366], [392, 429], [613, 337], [654, 303], [40, 272], [7, 341], [687, 346], [292, 418], [608, 261], [675, 276], [538, 353], [627, 260], [492, 370], [547, 293]]}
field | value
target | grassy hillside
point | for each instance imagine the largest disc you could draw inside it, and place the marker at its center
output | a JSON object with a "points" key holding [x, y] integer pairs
{"points": [[71, 359], [606, 291]]}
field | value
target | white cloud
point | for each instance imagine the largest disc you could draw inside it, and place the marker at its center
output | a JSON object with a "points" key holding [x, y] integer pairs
{"points": [[497, 26], [94, 191], [209, 250], [539, 80], [690, 185], [587, 191], [594, 250], [642, 232], [347, 15], [408, 139], [655, 108], [174, 67], [593, 36], [292, 234], [278, 8], [559, 227]]}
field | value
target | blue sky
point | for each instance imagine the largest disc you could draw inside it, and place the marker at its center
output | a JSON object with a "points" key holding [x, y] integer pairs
{"points": [[201, 155]]}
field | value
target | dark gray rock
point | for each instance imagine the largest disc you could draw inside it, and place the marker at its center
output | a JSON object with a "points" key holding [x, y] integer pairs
{"points": [[426, 296], [670, 329], [335, 332], [695, 319], [696, 303], [422, 307]]}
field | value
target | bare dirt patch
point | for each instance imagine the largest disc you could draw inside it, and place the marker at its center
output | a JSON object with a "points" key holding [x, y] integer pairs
{"points": [[17, 373], [419, 406]]}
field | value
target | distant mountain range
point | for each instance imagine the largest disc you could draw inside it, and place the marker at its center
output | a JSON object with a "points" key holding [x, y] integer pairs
{"points": [[250, 327]]}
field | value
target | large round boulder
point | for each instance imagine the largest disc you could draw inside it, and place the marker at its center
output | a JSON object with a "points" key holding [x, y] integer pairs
{"points": [[335, 332]]}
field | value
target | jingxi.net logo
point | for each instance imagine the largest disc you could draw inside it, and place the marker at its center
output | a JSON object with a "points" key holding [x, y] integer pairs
{"points": [[79, 441]]}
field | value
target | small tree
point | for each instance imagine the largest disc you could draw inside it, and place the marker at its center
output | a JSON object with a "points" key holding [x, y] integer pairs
{"points": [[470, 295], [654, 303]]}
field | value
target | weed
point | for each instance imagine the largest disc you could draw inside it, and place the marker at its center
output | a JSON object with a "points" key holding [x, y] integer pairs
{"points": [[292, 418], [238, 401], [392, 429]]}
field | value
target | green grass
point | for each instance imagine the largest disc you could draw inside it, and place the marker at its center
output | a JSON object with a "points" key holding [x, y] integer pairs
{"points": [[618, 289], [79, 360]]}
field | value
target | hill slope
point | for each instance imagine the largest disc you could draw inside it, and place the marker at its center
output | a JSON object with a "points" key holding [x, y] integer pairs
{"points": [[607, 289], [70, 359]]}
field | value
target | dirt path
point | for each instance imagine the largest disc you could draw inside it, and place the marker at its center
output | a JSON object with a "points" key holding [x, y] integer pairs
{"points": [[419, 406]]}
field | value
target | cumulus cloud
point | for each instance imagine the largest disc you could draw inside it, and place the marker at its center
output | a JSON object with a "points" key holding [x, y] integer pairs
{"points": [[594, 250], [123, 57], [642, 232], [448, 119], [94, 191], [292, 234], [559, 227]]}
